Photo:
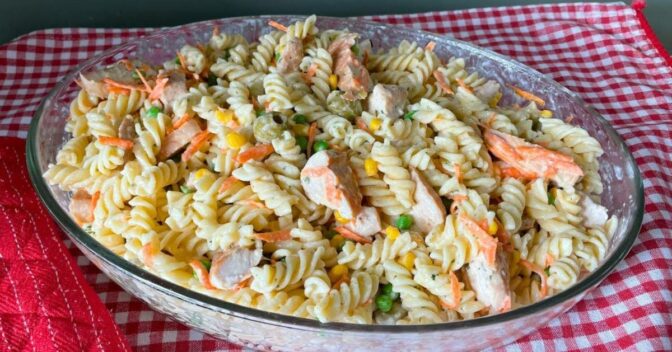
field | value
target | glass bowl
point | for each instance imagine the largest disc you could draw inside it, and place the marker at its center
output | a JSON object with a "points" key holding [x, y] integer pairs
{"points": [[623, 196]]}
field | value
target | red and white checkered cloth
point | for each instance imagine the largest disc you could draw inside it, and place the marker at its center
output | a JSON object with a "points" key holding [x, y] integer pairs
{"points": [[605, 52]]}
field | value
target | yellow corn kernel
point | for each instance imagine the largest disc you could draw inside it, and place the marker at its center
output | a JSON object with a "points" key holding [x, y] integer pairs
{"points": [[407, 260], [200, 173], [371, 167], [300, 130], [492, 228], [340, 218], [337, 241], [224, 116], [546, 113], [392, 232], [333, 81], [495, 99], [235, 140], [375, 124], [337, 272]]}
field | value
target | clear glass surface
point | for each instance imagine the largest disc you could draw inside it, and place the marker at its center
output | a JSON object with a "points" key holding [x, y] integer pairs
{"points": [[623, 196]]}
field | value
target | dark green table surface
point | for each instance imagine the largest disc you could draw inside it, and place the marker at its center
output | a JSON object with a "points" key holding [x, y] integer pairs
{"points": [[22, 16]]}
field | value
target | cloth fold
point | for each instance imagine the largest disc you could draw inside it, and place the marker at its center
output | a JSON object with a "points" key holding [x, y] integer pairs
{"points": [[604, 52]]}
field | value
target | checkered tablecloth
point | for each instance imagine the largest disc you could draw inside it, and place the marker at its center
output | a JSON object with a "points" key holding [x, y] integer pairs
{"points": [[604, 52]]}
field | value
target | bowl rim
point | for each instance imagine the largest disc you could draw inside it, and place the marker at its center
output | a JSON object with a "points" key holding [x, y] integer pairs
{"points": [[81, 238]]}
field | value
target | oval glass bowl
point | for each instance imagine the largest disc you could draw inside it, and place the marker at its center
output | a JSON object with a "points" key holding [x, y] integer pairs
{"points": [[623, 196]]}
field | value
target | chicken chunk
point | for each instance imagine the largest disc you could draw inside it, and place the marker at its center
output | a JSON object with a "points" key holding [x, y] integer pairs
{"points": [[328, 180], [491, 285], [353, 78], [388, 100], [179, 138], [92, 82], [231, 267], [127, 128], [366, 223], [428, 211], [175, 89], [291, 56], [81, 206], [594, 215]]}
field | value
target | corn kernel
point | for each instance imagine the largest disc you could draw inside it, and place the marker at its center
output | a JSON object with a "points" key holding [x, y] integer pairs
{"points": [[200, 173], [333, 81], [337, 241], [492, 228], [375, 124], [546, 113], [224, 116], [235, 140], [340, 218], [371, 167], [392, 232], [300, 130], [407, 260], [337, 272]]}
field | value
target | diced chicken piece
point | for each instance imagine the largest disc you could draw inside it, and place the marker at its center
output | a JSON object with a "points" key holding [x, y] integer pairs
{"points": [[353, 78], [291, 56], [179, 138], [491, 285], [231, 267], [328, 180], [488, 91], [428, 211], [81, 206], [127, 128], [532, 159], [174, 89], [388, 100], [366, 223], [594, 215]]}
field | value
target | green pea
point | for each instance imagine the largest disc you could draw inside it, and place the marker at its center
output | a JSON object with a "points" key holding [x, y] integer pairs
{"points": [[302, 141], [330, 234], [387, 290], [320, 145], [206, 263], [212, 80], [404, 222], [300, 119], [551, 198], [153, 111], [409, 115], [384, 303]]}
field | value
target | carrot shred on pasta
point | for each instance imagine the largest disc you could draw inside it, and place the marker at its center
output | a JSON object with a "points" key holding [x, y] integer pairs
{"points": [[181, 121], [274, 236], [277, 26], [201, 273], [125, 144], [442, 82], [227, 184], [527, 95], [347, 233], [195, 145], [257, 152], [430, 46]]}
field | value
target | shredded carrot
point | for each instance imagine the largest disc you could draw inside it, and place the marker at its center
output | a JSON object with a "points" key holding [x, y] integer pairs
{"points": [[148, 254], [201, 273], [94, 201], [312, 131], [144, 81], [539, 271], [549, 259], [487, 243], [458, 172], [442, 82], [502, 235], [228, 183], [158, 88], [274, 236], [277, 26], [253, 203], [430, 46], [457, 198], [257, 152], [361, 124], [455, 290], [347, 233], [527, 95], [491, 119], [112, 83], [243, 283], [181, 121], [125, 144], [463, 85], [312, 70], [569, 118], [195, 145]]}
